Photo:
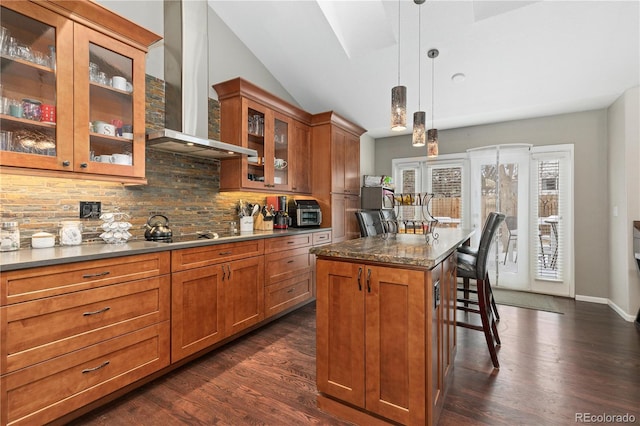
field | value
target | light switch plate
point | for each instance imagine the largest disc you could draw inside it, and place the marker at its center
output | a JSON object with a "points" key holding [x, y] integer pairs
{"points": [[90, 209]]}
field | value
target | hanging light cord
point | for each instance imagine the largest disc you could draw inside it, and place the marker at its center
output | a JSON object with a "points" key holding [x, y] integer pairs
{"points": [[433, 61], [419, 51], [398, 42]]}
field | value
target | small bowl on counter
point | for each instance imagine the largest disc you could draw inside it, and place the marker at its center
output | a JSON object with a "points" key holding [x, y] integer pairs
{"points": [[43, 240]]}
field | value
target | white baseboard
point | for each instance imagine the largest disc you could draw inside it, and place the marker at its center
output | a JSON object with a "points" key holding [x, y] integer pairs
{"points": [[622, 313], [591, 299], [605, 301]]}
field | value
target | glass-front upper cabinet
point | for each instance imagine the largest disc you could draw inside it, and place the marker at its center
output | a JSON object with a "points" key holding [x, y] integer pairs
{"points": [[109, 102], [72, 97], [268, 133], [36, 105], [281, 137]]}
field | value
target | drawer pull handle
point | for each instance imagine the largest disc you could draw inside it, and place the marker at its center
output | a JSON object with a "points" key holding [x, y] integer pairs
{"points": [[290, 242], [291, 261], [105, 309], [99, 274], [224, 253], [290, 290], [229, 270], [89, 370]]}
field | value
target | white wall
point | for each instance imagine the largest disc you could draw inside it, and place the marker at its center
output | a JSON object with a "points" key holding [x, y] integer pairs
{"points": [[148, 14], [623, 201], [588, 132], [228, 56], [367, 156]]}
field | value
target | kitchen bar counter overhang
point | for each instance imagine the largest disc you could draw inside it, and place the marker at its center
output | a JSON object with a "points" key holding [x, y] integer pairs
{"points": [[32, 258], [399, 249]]}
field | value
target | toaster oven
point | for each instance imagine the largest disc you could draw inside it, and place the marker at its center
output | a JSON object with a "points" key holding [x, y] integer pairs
{"points": [[305, 213]]}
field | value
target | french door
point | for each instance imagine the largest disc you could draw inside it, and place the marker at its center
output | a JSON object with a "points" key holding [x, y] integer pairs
{"points": [[500, 182], [531, 186], [552, 224]]}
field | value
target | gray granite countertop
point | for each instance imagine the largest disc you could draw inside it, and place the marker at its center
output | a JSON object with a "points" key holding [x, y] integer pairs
{"points": [[403, 249], [31, 258]]}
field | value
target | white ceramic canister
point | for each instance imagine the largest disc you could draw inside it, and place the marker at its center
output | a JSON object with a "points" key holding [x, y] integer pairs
{"points": [[70, 233], [43, 240]]}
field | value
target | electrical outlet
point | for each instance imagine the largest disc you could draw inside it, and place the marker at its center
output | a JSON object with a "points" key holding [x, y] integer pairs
{"points": [[90, 209]]}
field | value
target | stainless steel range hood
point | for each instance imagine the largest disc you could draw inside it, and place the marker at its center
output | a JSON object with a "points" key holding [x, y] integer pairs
{"points": [[186, 76]]}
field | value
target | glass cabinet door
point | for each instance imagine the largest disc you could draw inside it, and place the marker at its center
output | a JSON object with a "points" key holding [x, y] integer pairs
{"points": [[109, 100], [256, 173], [269, 133], [281, 157], [36, 121]]}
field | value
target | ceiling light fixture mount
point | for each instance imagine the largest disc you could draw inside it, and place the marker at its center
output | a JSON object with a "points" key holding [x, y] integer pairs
{"points": [[432, 134], [399, 95]]}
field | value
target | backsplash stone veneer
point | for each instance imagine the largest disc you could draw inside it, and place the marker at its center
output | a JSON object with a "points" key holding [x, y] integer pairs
{"points": [[184, 189]]}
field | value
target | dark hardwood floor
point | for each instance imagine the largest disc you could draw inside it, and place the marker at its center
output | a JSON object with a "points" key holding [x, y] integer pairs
{"points": [[553, 367]]}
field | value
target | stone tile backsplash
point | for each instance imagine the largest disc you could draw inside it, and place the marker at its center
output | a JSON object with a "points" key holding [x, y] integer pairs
{"points": [[184, 189]]}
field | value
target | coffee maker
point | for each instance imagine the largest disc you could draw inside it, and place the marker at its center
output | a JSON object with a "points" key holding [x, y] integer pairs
{"points": [[281, 219]]}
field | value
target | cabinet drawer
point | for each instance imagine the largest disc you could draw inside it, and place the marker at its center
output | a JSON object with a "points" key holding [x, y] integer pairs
{"points": [[41, 329], [286, 264], [272, 245], [287, 293], [210, 255], [323, 237], [46, 391], [36, 283]]}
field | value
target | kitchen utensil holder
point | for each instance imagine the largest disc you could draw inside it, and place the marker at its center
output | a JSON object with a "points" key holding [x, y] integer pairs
{"points": [[246, 224]]}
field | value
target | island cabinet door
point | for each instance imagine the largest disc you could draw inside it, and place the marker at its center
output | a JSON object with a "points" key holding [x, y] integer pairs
{"points": [[340, 330], [395, 343]]}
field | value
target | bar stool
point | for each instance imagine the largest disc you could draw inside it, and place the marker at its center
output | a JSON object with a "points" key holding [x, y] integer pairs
{"points": [[369, 222], [475, 267]]}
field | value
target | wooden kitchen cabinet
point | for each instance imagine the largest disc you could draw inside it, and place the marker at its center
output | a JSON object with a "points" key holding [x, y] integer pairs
{"points": [[74, 333], [57, 42], [374, 342], [336, 172], [301, 163], [288, 273], [217, 291], [344, 222], [253, 118]]}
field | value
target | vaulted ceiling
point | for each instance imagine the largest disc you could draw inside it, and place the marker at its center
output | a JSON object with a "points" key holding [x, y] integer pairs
{"points": [[518, 59]]}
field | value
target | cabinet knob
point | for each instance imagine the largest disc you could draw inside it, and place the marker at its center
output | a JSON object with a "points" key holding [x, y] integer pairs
{"points": [[66, 163], [84, 165]]}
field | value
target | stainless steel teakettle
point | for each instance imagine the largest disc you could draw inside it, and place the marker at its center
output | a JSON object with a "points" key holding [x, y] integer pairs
{"points": [[157, 228]]}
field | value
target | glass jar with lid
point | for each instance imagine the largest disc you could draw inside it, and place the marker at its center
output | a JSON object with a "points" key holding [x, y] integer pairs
{"points": [[9, 236], [70, 233]]}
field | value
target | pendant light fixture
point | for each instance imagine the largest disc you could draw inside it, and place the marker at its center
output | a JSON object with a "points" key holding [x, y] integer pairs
{"points": [[432, 134], [419, 116], [399, 95]]}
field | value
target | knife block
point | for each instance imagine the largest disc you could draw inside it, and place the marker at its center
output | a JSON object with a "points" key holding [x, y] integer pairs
{"points": [[263, 224]]}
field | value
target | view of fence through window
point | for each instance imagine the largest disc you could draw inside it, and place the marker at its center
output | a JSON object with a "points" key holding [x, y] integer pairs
{"points": [[550, 228], [446, 184]]}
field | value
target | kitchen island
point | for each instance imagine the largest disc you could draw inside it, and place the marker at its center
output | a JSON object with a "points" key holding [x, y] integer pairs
{"points": [[386, 333]]}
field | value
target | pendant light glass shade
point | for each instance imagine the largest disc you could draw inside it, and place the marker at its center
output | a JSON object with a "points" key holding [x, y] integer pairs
{"points": [[399, 108], [432, 143], [419, 119], [432, 134]]}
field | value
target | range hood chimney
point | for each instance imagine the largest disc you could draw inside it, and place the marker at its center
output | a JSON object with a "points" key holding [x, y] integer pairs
{"points": [[186, 75]]}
